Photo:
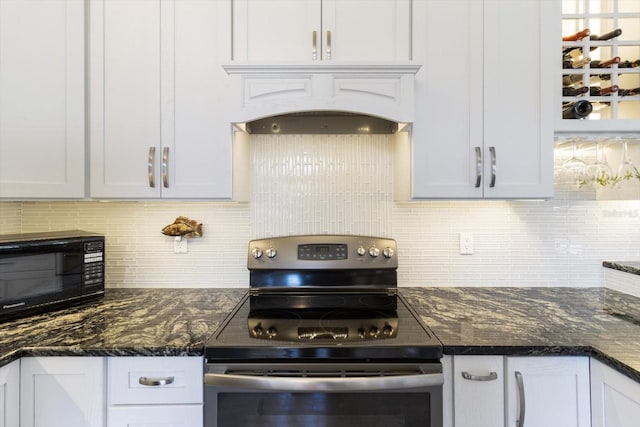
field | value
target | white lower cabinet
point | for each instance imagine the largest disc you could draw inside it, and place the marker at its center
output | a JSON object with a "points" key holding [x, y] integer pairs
{"points": [[61, 391], [548, 391], [498, 391], [10, 395], [155, 391], [615, 398]]}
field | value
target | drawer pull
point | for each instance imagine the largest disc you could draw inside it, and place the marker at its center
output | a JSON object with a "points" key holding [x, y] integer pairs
{"points": [[155, 382], [467, 376]]}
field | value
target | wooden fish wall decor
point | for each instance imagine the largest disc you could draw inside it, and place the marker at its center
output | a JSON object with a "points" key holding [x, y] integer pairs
{"points": [[183, 227]]}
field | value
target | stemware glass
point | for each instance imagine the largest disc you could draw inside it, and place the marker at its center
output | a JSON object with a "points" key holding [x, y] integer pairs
{"points": [[627, 170], [575, 166], [600, 171]]}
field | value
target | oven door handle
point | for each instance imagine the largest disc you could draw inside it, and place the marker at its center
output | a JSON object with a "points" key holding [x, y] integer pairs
{"points": [[306, 384]]}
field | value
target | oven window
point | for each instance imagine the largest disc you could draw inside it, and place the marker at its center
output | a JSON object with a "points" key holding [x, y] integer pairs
{"points": [[398, 409]]}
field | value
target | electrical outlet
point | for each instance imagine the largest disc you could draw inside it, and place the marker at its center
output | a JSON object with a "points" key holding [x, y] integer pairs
{"points": [[466, 243], [180, 245]]}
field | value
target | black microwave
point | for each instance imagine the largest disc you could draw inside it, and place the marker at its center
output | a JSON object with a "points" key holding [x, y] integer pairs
{"points": [[46, 271]]}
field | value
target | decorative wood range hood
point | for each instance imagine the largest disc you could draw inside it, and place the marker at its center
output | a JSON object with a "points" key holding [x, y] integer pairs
{"points": [[329, 98]]}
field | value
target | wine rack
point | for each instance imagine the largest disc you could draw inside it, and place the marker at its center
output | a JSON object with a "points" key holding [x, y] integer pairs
{"points": [[601, 69]]}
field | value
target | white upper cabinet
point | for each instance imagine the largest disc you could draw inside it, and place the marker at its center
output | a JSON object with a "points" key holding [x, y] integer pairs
{"points": [[158, 96], [42, 99], [484, 98], [314, 30]]}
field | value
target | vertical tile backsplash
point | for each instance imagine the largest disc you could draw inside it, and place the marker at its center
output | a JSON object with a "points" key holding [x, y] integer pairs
{"points": [[343, 184], [321, 184]]}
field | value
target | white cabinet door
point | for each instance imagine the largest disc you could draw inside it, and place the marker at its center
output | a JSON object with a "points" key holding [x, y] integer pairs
{"points": [[478, 384], [125, 98], [484, 98], [276, 30], [346, 30], [196, 128], [42, 99], [548, 391], [520, 52], [10, 395], [615, 398], [158, 97], [366, 30], [59, 391], [448, 123]]}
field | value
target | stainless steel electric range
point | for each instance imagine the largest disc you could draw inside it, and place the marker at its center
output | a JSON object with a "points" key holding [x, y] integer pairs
{"points": [[323, 338]]}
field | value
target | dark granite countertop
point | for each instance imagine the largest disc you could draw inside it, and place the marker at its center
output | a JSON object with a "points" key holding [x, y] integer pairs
{"points": [[126, 322], [177, 322], [632, 267], [530, 321]]}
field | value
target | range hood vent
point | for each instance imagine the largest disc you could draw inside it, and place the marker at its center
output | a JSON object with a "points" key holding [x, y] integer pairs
{"points": [[322, 123], [322, 98]]}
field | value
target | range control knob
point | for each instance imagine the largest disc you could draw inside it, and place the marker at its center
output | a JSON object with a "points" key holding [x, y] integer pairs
{"points": [[362, 333], [387, 252], [387, 330], [374, 332], [256, 253], [257, 331], [361, 250], [271, 332], [271, 252], [374, 252]]}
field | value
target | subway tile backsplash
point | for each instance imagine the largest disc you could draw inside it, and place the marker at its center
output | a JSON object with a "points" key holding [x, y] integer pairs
{"points": [[343, 184]]}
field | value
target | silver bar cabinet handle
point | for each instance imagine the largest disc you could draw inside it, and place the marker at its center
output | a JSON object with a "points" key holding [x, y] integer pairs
{"points": [[467, 376], [156, 382], [492, 150], [151, 166], [478, 167], [521, 398], [328, 45], [323, 384], [165, 167], [314, 43]]}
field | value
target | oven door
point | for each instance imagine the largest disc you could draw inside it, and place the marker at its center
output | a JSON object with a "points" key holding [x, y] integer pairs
{"points": [[327, 395]]}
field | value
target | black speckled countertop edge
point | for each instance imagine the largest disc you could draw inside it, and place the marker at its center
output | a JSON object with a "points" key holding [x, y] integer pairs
{"points": [[631, 267]]}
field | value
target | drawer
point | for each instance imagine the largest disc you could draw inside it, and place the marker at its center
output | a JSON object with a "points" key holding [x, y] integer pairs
{"points": [[151, 416], [155, 380]]}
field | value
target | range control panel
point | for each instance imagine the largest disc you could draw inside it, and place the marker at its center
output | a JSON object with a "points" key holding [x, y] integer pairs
{"points": [[323, 251]]}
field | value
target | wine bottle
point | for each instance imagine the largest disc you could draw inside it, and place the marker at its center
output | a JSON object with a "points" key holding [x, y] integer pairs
{"points": [[574, 79], [577, 36], [576, 51], [575, 63], [629, 64], [629, 92], [605, 64], [577, 110], [574, 91], [607, 36], [602, 91], [570, 79]]}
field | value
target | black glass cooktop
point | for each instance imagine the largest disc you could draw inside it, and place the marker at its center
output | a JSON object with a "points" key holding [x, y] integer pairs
{"points": [[260, 330]]}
